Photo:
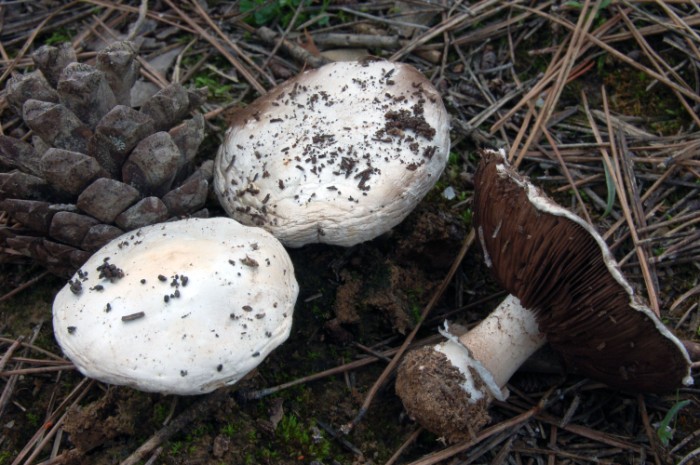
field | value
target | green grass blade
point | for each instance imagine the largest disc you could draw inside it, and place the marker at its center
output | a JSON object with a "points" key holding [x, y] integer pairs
{"points": [[663, 431]]}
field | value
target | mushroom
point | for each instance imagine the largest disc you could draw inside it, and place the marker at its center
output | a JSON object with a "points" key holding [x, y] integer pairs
{"points": [[338, 155], [566, 289], [183, 307]]}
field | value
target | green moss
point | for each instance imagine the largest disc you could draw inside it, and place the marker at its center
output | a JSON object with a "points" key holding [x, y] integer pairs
{"points": [[267, 12], [629, 94], [176, 447], [229, 429], [217, 86], [32, 419], [5, 457], [252, 436], [302, 440], [59, 36], [160, 413], [467, 216], [198, 431]]}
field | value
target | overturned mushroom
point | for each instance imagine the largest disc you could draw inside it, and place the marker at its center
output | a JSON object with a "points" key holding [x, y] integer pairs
{"points": [[338, 155], [565, 288], [178, 307]]}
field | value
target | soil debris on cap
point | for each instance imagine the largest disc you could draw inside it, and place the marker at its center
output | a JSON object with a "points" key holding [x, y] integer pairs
{"points": [[337, 155]]}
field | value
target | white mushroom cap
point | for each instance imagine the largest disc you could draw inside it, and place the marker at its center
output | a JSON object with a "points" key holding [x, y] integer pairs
{"points": [[339, 154], [183, 307]]}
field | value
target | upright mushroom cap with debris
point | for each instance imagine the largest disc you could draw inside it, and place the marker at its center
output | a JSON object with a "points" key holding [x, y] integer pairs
{"points": [[337, 155], [183, 307], [565, 289]]}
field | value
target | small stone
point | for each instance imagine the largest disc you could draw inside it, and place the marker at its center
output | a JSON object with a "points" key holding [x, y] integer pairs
{"points": [[220, 446]]}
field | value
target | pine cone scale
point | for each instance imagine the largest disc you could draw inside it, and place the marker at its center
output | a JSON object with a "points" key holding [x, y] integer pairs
{"points": [[70, 171], [106, 198], [70, 228], [152, 165], [84, 90], [19, 154], [96, 167], [146, 211], [56, 125]]}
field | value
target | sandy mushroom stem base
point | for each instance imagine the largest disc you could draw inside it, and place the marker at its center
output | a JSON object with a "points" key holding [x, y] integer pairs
{"points": [[448, 388]]}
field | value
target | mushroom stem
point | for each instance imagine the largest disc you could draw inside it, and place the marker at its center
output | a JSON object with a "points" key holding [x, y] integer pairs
{"points": [[558, 264], [496, 347], [448, 387]]}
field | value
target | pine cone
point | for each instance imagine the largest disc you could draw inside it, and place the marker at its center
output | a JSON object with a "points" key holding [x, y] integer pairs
{"points": [[94, 167]]}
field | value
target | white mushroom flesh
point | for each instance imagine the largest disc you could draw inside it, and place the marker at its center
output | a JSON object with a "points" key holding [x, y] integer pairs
{"points": [[494, 349], [200, 304]]}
